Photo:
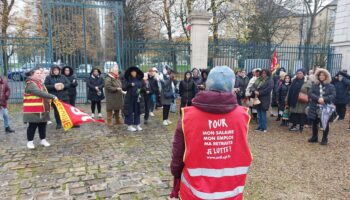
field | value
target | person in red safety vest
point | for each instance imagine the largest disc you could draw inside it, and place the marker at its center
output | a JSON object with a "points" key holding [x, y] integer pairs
{"points": [[210, 155]]}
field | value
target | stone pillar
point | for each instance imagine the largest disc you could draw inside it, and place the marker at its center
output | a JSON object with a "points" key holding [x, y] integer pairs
{"points": [[199, 21], [342, 32]]}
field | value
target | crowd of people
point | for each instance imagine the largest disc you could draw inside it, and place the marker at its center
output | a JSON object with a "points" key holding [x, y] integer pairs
{"points": [[295, 100]]}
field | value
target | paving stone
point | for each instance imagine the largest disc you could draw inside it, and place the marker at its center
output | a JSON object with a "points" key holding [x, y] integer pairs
{"points": [[100, 187], [79, 190]]}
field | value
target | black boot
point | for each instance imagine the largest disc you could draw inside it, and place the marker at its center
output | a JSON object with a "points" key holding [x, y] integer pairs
{"points": [[301, 128], [314, 138], [58, 127], [324, 139], [9, 130]]}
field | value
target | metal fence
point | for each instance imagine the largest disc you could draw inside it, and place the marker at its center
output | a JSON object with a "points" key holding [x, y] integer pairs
{"points": [[18, 55], [291, 57]]}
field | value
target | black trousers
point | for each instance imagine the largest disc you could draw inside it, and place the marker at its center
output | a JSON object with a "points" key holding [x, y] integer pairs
{"points": [[315, 125], [184, 104], [166, 110], [147, 106], [341, 110], [93, 106], [57, 116], [32, 128], [72, 100]]}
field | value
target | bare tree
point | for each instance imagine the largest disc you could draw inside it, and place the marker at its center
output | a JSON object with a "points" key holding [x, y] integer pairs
{"points": [[312, 8], [5, 14]]}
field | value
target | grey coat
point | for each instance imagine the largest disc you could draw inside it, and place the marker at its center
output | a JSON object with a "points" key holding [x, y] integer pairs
{"points": [[31, 88], [166, 87], [114, 97], [300, 107]]}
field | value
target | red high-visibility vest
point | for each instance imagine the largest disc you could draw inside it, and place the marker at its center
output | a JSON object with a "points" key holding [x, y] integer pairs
{"points": [[33, 103], [217, 156]]}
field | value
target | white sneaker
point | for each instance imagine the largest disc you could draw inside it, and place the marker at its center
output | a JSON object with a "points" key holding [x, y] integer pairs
{"points": [[131, 128], [151, 114], [138, 127], [30, 145], [49, 122], [169, 122], [99, 115], [45, 143], [165, 123], [92, 115]]}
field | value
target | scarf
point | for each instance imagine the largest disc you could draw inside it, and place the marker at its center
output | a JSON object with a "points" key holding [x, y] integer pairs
{"points": [[294, 90], [259, 82], [113, 75]]}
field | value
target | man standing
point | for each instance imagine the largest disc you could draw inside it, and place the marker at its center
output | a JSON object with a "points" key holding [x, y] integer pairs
{"points": [[4, 96], [211, 157]]}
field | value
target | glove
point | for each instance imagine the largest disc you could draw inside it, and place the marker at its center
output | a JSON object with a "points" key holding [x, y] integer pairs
{"points": [[176, 188]]}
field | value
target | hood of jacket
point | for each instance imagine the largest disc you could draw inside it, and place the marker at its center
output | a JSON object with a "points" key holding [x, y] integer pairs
{"points": [[55, 67], [215, 102], [71, 72], [326, 73]]}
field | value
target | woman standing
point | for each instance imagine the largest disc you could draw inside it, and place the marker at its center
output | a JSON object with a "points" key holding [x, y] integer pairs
{"points": [[167, 96], [36, 107], [262, 90], [187, 90], [134, 101], [68, 72], [95, 84], [153, 83], [341, 83], [321, 93], [297, 100], [281, 97], [114, 96]]}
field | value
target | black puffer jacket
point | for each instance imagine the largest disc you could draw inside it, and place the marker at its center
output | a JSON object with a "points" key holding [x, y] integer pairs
{"points": [[153, 83], [329, 93], [92, 82], [72, 91], [52, 79], [187, 89], [282, 93]]}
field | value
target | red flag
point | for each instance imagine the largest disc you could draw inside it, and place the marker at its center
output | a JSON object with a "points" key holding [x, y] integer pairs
{"points": [[274, 63], [71, 116]]}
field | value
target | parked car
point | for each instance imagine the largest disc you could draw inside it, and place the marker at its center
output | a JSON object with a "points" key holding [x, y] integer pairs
{"points": [[18, 74], [108, 65], [83, 70]]}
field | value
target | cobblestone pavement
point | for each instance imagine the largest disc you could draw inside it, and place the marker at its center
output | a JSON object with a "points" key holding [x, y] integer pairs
{"points": [[92, 162]]}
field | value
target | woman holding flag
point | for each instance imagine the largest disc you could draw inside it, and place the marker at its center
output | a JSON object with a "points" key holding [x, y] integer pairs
{"points": [[36, 107]]}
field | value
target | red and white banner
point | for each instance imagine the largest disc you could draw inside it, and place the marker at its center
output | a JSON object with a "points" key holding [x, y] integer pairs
{"points": [[71, 116]]}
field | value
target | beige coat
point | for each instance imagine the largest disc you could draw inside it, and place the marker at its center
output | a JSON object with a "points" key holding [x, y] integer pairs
{"points": [[114, 97]]}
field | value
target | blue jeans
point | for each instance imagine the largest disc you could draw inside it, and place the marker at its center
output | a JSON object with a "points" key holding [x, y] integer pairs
{"points": [[152, 102], [5, 115], [262, 119]]}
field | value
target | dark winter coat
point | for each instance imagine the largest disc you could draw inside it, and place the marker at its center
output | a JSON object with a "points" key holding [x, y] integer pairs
{"points": [[276, 80], [341, 88], [153, 83], [264, 93], [167, 86], [31, 88], [314, 93], [50, 82], [4, 93], [134, 94], [187, 89], [242, 84], [295, 106], [92, 82], [72, 91], [207, 101], [197, 81], [282, 93], [114, 97]]}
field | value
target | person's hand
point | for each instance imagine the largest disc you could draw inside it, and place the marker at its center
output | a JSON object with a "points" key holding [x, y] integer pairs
{"points": [[119, 89], [256, 93], [132, 84], [96, 88], [147, 92], [55, 98], [321, 101], [74, 80]]}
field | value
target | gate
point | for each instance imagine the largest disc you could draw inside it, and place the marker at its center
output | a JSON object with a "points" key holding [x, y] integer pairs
{"points": [[84, 34]]}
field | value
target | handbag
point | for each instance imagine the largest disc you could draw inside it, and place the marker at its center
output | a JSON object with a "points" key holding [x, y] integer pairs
{"points": [[303, 98], [256, 101], [169, 94]]}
